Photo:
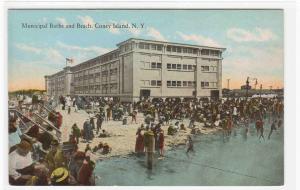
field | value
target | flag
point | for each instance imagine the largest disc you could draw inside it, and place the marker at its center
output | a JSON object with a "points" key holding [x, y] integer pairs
{"points": [[69, 60]]}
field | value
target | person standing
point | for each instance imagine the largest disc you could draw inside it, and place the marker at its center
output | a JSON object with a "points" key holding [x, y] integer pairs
{"points": [[261, 130], [139, 143], [76, 132], [190, 145], [100, 119], [161, 141], [273, 127], [134, 113]]}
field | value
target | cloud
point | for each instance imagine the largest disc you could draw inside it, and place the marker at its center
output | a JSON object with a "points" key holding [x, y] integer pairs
{"points": [[80, 54], [43, 20], [258, 35], [87, 20], [28, 48], [155, 34], [54, 55], [62, 21], [199, 39], [264, 63], [96, 49]]}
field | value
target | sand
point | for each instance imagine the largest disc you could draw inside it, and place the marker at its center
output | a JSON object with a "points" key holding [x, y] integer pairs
{"points": [[122, 140]]}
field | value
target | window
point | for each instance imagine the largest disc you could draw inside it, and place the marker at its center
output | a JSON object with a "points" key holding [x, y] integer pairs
{"points": [[184, 83], [204, 84], [190, 50], [159, 47], [184, 50], [178, 66], [179, 49], [141, 45], [214, 53], [153, 47], [190, 83], [173, 49], [204, 68], [179, 83], [173, 66], [184, 67], [153, 65], [195, 51], [168, 48], [190, 67], [158, 83], [146, 46], [169, 66], [168, 83], [153, 82], [205, 52], [158, 65], [173, 83]]}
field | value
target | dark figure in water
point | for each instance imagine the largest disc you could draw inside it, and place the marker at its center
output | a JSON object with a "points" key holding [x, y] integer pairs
{"points": [[190, 145], [261, 130], [273, 127]]}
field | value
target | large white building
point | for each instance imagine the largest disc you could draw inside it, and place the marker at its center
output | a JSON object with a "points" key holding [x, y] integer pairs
{"points": [[144, 68]]}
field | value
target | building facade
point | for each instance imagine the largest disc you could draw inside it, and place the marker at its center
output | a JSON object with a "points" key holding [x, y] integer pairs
{"points": [[144, 68]]}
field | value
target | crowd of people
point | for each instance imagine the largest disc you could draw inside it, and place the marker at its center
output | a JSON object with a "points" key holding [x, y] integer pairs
{"points": [[36, 155], [38, 158]]}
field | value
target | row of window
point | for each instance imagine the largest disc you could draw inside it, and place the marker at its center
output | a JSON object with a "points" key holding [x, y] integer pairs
{"points": [[209, 84], [178, 83], [182, 49], [209, 68], [180, 66], [181, 83], [91, 76], [112, 86], [94, 70], [157, 65], [150, 46]]}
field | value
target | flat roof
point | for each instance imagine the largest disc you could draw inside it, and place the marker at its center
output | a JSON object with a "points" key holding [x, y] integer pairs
{"points": [[175, 43]]}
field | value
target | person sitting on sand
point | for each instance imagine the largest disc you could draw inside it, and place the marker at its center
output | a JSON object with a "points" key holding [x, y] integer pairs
{"points": [[104, 134], [106, 149], [182, 127], [98, 147], [87, 148], [171, 130]]}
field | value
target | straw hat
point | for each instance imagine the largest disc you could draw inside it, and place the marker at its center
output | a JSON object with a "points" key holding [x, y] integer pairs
{"points": [[59, 174]]}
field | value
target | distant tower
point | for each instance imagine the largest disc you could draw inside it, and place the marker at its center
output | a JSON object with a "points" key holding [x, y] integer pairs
{"points": [[228, 80]]}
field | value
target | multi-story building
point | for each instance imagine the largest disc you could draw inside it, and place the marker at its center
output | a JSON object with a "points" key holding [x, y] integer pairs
{"points": [[144, 68]]}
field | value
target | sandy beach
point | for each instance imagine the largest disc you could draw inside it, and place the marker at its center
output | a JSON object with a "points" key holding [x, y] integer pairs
{"points": [[122, 139]]}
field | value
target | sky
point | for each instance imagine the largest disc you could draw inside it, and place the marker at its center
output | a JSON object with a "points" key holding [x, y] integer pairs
{"points": [[253, 40]]}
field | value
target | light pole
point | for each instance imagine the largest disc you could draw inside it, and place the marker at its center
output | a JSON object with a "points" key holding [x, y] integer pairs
{"points": [[260, 91], [247, 88], [228, 80]]}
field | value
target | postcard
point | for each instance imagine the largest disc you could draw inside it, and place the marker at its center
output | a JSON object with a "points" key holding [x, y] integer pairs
{"points": [[149, 97]]}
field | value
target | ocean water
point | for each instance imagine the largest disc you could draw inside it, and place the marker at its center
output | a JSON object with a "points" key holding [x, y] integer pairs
{"points": [[217, 161]]}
